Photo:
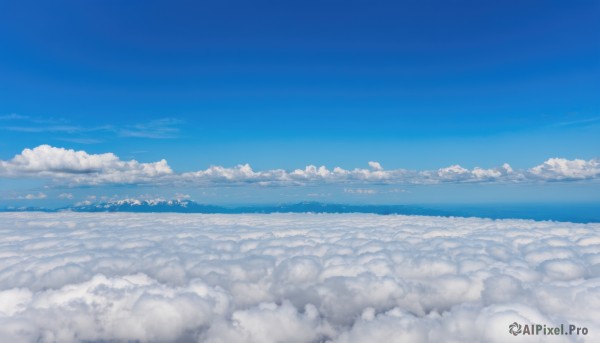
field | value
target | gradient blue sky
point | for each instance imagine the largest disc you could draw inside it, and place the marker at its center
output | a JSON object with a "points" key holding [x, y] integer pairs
{"points": [[419, 85]]}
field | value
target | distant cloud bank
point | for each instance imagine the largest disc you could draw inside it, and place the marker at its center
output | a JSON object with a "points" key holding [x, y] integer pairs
{"points": [[300, 278], [72, 167], [79, 167]]}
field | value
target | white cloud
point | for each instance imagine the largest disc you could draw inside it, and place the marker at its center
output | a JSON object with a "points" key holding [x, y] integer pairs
{"points": [[353, 278], [83, 203], [81, 168], [159, 129], [375, 165], [456, 173], [397, 190], [38, 196], [360, 191], [65, 196], [318, 195], [556, 169], [181, 196]]}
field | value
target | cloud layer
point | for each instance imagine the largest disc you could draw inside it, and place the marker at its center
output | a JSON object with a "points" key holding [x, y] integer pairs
{"points": [[81, 168], [71, 277]]}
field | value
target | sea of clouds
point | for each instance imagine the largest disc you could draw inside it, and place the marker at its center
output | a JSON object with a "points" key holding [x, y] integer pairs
{"points": [[351, 278]]}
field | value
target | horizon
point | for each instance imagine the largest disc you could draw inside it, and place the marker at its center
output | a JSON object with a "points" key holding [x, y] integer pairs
{"points": [[556, 212]]}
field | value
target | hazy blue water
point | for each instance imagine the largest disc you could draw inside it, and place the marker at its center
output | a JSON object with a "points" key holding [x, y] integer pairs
{"points": [[577, 213], [572, 212]]}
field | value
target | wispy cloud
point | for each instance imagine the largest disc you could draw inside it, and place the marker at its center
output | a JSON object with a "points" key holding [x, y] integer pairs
{"points": [[38, 129], [68, 132], [81, 168], [397, 190], [13, 116], [164, 128], [318, 195], [579, 122], [82, 140]]}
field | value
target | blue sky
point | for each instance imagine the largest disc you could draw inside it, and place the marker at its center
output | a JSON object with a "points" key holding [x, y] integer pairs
{"points": [[416, 85]]}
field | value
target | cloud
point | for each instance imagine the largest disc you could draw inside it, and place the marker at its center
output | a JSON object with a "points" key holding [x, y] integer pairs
{"points": [[37, 125], [557, 169], [371, 191], [159, 129], [37, 196], [456, 173], [51, 128], [244, 174], [154, 129], [360, 191], [13, 116], [580, 122], [82, 140], [181, 196], [81, 168], [65, 196], [352, 278], [83, 203], [375, 165], [318, 195], [397, 190]]}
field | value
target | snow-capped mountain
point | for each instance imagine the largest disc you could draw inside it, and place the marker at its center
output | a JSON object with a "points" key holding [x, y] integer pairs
{"points": [[154, 205], [189, 206]]}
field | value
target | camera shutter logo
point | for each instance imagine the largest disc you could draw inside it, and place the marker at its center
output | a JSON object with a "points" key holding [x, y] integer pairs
{"points": [[514, 328]]}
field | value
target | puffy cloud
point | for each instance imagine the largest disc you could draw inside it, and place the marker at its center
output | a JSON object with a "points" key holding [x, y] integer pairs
{"points": [[82, 168], [270, 323], [353, 278], [244, 174], [456, 173], [79, 167], [375, 165], [557, 169], [65, 196]]}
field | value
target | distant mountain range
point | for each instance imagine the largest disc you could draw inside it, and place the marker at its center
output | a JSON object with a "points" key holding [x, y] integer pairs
{"points": [[188, 206], [581, 213], [134, 205]]}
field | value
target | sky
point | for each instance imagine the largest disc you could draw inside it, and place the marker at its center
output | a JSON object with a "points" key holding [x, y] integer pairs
{"points": [[439, 94]]}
